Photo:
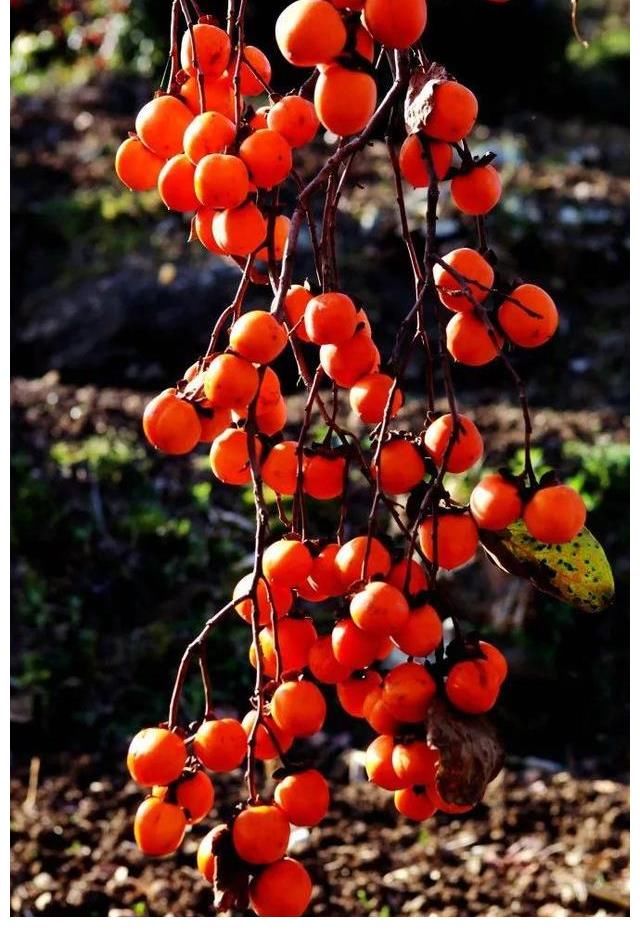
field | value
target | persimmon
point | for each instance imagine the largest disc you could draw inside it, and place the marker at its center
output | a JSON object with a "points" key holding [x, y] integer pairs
{"points": [[417, 155], [295, 638], [230, 382], [218, 95], [495, 659], [279, 469], [344, 99], [212, 423], [205, 858], [280, 595], [415, 762], [369, 398], [454, 109], [287, 561], [295, 304], [240, 231], [330, 318], [220, 744], [352, 556], [555, 514], [324, 572], [415, 803], [203, 229], [254, 72], [464, 452], [212, 50], [269, 739], [407, 692], [377, 714], [196, 796], [353, 691], [323, 663], [137, 166], [282, 889], [208, 133], [267, 156], [295, 119], [351, 360], [280, 234], [323, 477], [176, 184], [470, 342], [532, 325], [396, 24], [416, 581], [378, 764], [298, 708], [472, 686], [303, 797], [261, 834], [379, 608], [421, 633], [456, 539], [257, 336], [161, 125], [352, 647], [156, 756], [478, 191], [229, 456], [470, 282], [401, 467], [220, 181], [495, 503], [171, 424], [159, 827], [258, 120], [271, 418], [309, 32]]}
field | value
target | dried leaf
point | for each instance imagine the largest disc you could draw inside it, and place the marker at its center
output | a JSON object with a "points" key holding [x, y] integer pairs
{"points": [[577, 572], [231, 877], [470, 753], [419, 99]]}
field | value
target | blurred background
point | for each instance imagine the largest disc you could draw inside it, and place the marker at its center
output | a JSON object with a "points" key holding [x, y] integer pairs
{"points": [[118, 555]]}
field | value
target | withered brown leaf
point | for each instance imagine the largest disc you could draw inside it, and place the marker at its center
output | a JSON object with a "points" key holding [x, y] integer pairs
{"points": [[418, 102]]}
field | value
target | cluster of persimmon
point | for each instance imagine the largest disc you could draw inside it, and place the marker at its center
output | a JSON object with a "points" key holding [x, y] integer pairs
{"points": [[212, 153]]}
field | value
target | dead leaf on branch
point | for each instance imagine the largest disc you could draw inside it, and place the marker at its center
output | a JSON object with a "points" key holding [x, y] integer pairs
{"points": [[471, 754], [418, 102], [231, 877]]}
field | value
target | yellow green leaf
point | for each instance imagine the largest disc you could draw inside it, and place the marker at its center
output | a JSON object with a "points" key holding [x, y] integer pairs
{"points": [[577, 572]]}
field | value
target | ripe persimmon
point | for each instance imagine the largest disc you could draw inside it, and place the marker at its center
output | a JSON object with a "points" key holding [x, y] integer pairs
{"points": [[159, 827], [303, 797], [156, 756], [353, 691], [344, 99], [350, 361], [171, 424], [220, 181], [555, 514], [453, 112], [295, 304], [295, 638], [261, 834], [205, 858], [415, 762], [377, 714], [280, 234], [161, 125], [533, 325], [281, 596], [309, 32], [269, 739], [323, 477], [323, 663], [279, 469], [287, 561], [282, 889], [478, 191], [464, 452], [240, 231], [137, 166], [369, 398], [295, 119], [469, 283], [397, 24], [350, 560], [456, 539], [176, 184], [218, 95], [208, 133], [220, 744], [379, 608], [196, 796], [421, 633], [407, 692], [267, 156], [324, 572], [495, 503], [212, 423], [229, 456], [401, 466], [230, 382], [298, 708], [415, 163], [254, 72], [472, 686], [203, 229], [416, 581], [330, 318], [470, 342], [257, 336], [212, 50], [378, 764], [352, 647], [415, 803]]}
